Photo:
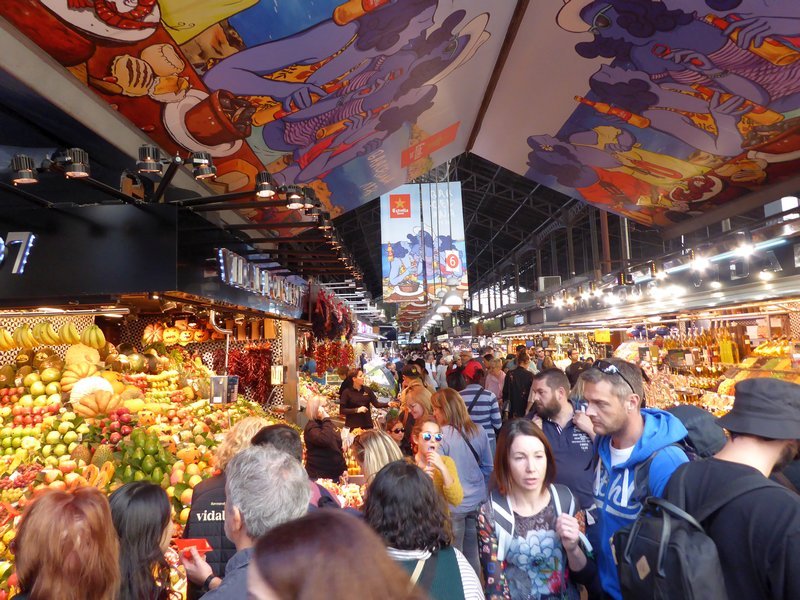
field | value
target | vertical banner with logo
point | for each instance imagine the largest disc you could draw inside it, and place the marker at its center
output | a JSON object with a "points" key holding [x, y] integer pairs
{"points": [[422, 242]]}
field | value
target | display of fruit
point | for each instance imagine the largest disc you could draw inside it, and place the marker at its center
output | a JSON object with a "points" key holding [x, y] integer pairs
{"points": [[76, 372], [111, 429], [93, 337], [68, 333], [96, 403], [44, 333]]}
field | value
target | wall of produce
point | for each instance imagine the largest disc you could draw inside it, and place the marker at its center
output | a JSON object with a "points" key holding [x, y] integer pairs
{"points": [[76, 410]]}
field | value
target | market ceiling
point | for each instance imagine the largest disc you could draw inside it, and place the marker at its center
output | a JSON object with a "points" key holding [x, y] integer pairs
{"points": [[661, 117]]}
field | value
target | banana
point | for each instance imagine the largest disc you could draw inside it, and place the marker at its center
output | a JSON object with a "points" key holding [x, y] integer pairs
{"points": [[37, 333], [23, 337], [69, 334], [93, 337], [6, 341], [50, 334]]}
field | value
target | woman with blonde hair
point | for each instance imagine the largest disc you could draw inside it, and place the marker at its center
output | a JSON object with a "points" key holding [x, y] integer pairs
{"points": [[324, 458], [373, 449], [67, 548], [416, 402], [468, 445], [208, 499]]}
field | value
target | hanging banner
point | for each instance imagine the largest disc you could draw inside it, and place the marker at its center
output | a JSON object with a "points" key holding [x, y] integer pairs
{"points": [[422, 242]]}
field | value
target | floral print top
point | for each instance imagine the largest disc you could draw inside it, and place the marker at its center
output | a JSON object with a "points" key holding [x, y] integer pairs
{"points": [[535, 567]]}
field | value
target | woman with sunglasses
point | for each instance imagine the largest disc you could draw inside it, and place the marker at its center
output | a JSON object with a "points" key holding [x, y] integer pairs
{"points": [[426, 440], [529, 531], [395, 429], [468, 446]]}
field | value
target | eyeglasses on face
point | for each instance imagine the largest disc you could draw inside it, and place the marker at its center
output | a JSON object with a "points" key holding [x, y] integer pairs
{"points": [[428, 436], [610, 369], [399, 430], [600, 21]]}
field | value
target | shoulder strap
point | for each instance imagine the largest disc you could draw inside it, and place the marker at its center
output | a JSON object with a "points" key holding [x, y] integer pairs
{"points": [[425, 580], [738, 487], [503, 521], [641, 474], [474, 400], [471, 447], [564, 502]]}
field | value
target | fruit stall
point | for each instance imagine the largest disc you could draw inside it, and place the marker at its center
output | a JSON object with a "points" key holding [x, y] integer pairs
{"points": [[76, 410]]}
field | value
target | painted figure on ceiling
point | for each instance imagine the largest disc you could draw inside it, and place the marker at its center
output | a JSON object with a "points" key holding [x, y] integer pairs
{"points": [[706, 118], [407, 264], [674, 45]]}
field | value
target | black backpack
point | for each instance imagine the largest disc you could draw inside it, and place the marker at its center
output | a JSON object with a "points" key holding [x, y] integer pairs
{"points": [[666, 554], [705, 437]]}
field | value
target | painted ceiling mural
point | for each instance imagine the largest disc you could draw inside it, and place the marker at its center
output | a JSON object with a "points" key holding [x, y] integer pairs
{"points": [[350, 97], [654, 109]]}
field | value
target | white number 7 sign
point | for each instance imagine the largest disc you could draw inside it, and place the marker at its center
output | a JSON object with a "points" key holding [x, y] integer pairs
{"points": [[23, 239]]}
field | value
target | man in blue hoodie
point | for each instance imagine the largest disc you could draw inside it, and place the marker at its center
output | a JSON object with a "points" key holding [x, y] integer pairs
{"points": [[636, 454]]}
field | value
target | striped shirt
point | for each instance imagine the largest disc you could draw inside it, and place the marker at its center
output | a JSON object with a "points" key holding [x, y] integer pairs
{"points": [[486, 411]]}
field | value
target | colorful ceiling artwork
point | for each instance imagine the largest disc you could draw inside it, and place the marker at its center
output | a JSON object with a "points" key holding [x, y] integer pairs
{"points": [[654, 109], [350, 97]]}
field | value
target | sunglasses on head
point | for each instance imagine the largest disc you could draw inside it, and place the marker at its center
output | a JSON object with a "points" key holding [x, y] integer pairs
{"points": [[609, 369], [428, 436], [399, 430]]}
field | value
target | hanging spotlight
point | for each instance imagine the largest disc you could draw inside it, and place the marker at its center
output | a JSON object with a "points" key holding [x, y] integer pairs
{"points": [[202, 165], [294, 197], [325, 221], [311, 200], [766, 275], [24, 170], [585, 294], [558, 302], [698, 261], [745, 247], [443, 309], [149, 159], [75, 163], [265, 185], [453, 299]]}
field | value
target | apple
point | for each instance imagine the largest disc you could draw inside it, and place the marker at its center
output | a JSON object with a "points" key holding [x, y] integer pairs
{"points": [[52, 437], [70, 437], [60, 450], [37, 388], [65, 426], [47, 450], [40, 400], [30, 379], [186, 497], [54, 399], [51, 461], [67, 466], [52, 388], [25, 401]]}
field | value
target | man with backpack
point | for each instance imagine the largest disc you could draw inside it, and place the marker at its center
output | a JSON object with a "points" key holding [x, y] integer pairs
{"points": [[754, 523], [636, 454]]}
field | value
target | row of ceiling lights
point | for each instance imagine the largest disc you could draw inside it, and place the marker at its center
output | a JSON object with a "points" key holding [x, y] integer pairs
{"points": [[697, 262], [74, 163]]}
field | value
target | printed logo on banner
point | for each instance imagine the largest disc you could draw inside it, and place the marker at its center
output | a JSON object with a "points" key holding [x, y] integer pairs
{"points": [[399, 206]]}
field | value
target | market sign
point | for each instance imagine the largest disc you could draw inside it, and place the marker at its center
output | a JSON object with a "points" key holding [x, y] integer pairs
{"points": [[602, 336], [241, 273]]}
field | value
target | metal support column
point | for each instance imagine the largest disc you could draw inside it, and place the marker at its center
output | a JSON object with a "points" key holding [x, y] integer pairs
{"points": [[625, 241], [553, 255], [570, 253], [606, 264], [593, 238]]}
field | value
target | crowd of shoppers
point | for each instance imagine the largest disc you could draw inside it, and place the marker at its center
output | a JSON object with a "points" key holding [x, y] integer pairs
{"points": [[452, 519]]}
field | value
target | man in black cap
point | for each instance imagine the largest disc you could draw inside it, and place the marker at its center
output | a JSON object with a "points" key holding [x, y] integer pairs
{"points": [[757, 533]]}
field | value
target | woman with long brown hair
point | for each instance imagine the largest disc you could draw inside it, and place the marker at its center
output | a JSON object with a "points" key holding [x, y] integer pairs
{"points": [[313, 558], [529, 530], [468, 445], [416, 403], [66, 548]]}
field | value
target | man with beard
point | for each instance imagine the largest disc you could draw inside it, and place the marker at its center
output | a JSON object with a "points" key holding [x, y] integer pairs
{"points": [[758, 533], [569, 432]]}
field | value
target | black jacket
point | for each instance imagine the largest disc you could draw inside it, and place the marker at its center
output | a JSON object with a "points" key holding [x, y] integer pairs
{"points": [[352, 400], [207, 520], [516, 389], [324, 459]]}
